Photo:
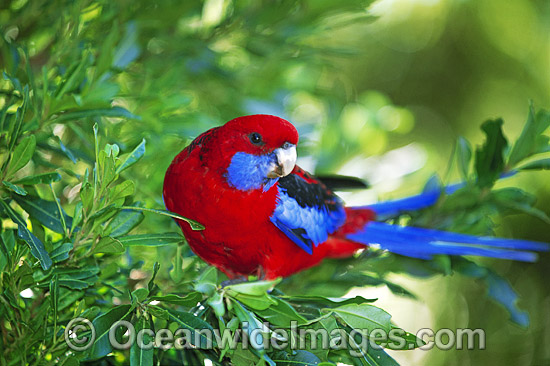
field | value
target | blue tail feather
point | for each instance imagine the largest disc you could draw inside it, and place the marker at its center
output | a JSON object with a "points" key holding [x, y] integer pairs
{"points": [[427, 198], [413, 203], [424, 243]]}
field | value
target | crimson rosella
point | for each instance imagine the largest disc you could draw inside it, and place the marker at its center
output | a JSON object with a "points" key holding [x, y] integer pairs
{"points": [[264, 215]]}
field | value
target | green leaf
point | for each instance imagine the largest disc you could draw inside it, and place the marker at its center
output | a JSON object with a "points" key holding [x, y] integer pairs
{"points": [[378, 357], [95, 128], [77, 273], [86, 196], [151, 240], [542, 164], [464, 155], [45, 178], [106, 173], [489, 161], [151, 283], [193, 324], [207, 281], [70, 361], [73, 284], [518, 200], [109, 245], [132, 157], [7, 244], [299, 358], [54, 295], [66, 151], [157, 312], [142, 356], [46, 212], [100, 112], [176, 273], [364, 316], [21, 155], [102, 325], [499, 289], [216, 303], [19, 190], [255, 288], [256, 302], [405, 341], [128, 49], [121, 190], [77, 217], [244, 357], [59, 210], [61, 253], [104, 213], [327, 301], [112, 150], [281, 314], [194, 225], [140, 294], [531, 140], [247, 317], [188, 300], [68, 298], [75, 75], [37, 247]]}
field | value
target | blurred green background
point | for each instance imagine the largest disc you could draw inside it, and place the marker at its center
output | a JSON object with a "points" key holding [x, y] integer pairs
{"points": [[379, 91]]}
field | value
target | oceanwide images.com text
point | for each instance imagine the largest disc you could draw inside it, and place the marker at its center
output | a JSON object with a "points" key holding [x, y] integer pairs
{"points": [[81, 334]]}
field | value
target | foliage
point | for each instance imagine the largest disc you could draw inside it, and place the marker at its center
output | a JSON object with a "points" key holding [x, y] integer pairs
{"points": [[87, 111]]}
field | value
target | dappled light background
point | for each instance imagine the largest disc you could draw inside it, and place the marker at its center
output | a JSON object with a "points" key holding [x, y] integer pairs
{"points": [[377, 90]]}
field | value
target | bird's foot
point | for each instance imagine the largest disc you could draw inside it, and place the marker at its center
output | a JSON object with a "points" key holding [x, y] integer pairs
{"points": [[234, 281]]}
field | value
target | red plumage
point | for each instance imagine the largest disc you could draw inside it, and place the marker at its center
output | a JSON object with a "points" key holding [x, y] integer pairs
{"points": [[239, 238]]}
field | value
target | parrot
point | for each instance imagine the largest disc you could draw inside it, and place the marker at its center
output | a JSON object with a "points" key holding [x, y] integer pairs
{"points": [[265, 216]]}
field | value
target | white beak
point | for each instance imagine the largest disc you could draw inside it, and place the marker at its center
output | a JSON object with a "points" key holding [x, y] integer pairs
{"points": [[286, 160]]}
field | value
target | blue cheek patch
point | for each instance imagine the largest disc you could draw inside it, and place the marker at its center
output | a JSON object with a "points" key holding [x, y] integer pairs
{"points": [[248, 172]]}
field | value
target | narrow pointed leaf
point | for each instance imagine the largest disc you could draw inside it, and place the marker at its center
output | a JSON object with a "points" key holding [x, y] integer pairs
{"points": [[22, 154], [189, 300], [12, 187], [109, 245], [101, 112], [40, 178], [102, 325], [124, 222], [194, 324], [464, 156], [542, 164], [194, 224], [132, 158], [142, 355], [151, 240], [364, 316], [46, 212], [37, 247], [61, 253]]}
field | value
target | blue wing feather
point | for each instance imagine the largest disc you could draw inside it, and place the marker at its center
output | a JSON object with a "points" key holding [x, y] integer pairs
{"points": [[296, 236], [306, 212]]}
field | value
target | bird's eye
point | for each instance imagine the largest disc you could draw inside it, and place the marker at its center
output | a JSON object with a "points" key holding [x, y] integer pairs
{"points": [[255, 138], [286, 145]]}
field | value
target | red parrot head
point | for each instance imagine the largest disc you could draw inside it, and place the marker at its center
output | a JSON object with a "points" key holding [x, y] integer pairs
{"points": [[255, 151]]}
